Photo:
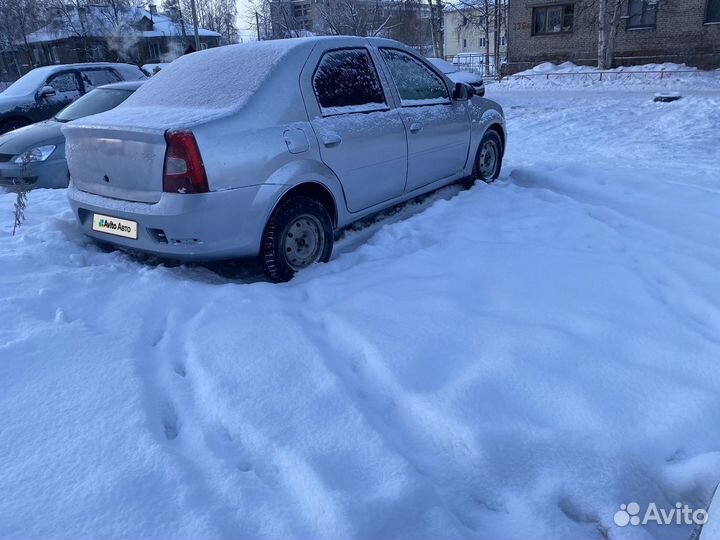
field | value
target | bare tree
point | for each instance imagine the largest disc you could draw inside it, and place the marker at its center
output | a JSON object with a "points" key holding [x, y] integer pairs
{"points": [[437, 27], [18, 20], [357, 17], [609, 16], [216, 15]]}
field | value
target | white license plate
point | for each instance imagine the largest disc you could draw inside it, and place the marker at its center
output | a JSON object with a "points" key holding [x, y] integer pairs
{"points": [[116, 226]]}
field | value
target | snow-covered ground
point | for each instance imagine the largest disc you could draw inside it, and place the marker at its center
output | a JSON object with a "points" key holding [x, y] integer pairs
{"points": [[513, 361], [567, 75]]}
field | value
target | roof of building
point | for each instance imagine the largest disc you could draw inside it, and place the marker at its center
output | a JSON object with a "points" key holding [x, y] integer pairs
{"points": [[98, 22]]}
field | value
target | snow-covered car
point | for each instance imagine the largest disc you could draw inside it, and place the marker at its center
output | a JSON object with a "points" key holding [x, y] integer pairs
{"points": [[711, 529], [459, 75], [265, 149], [41, 93], [35, 154]]}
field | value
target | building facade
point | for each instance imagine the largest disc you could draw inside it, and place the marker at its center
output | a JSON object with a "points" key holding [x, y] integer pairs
{"points": [[475, 32], [140, 37], [649, 31]]}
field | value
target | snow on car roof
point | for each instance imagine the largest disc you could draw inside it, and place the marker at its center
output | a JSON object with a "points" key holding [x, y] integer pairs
{"points": [[201, 86]]}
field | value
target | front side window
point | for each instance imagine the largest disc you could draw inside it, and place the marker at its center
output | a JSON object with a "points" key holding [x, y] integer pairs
{"points": [[416, 83], [712, 14], [553, 19], [347, 79], [641, 14], [64, 83]]}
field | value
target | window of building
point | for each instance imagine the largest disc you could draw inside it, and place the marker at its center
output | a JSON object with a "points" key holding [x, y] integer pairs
{"points": [[712, 14], [96, 53], [641, 14], [553, 19], [347, 78], [203, 45], [416, 83], [482, 42], [155, 52]]}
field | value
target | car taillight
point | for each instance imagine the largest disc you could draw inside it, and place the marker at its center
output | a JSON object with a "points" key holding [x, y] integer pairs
{"points": [[184, 170]]}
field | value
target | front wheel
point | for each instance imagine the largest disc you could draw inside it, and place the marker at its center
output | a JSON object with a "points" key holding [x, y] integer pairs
{"points": [[299, 233], [488, 160]]}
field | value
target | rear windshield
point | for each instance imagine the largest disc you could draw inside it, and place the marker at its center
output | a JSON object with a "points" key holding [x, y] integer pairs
{"points": [[97, 101], [218, 79]]}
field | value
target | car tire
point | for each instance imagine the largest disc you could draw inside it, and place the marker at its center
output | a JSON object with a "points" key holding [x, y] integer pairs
{"points": [[10, 125], [298, 234], [488, 160]]}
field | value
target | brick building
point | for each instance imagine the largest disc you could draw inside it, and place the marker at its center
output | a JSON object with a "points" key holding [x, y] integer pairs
{"points": [[650, 31]]}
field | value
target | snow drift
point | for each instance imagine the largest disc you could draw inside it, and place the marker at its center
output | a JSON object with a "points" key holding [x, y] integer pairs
{"points": [[513, 361]]}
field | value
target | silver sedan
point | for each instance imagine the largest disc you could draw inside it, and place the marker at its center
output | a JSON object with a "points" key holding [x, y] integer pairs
{"points": [[265, 149]]}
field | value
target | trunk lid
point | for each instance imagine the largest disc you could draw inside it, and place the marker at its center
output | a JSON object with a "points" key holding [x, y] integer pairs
{"points": [[121, 163]]}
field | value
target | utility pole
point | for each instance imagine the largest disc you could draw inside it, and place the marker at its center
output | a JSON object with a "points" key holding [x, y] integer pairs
{"points": [[257, 24], [195, 22]]}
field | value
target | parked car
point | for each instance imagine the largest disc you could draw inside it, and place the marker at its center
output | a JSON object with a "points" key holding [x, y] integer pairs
{"points": [[711, 529], [458, 75], [35, 154], [41, 93], [265, 149]]}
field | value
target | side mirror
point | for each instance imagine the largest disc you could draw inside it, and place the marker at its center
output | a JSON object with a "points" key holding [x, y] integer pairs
{"points": [[463, 92], [46, 92]]}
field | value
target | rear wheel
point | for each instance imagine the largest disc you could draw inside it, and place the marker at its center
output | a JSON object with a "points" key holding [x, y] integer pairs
{"points": [[299, 233], [488, 160]]}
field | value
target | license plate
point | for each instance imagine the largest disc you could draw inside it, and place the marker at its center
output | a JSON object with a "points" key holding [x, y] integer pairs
{"points": [[116, 226]]}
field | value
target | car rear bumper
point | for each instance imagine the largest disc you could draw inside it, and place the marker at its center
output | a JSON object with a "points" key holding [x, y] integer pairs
{"points": [[210, 226]]}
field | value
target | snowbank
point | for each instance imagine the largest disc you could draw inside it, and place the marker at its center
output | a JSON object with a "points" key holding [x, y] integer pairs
{"points": [[514, 361], [569, 75]]}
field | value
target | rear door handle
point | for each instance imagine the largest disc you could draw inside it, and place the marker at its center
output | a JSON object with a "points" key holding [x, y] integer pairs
{"points": [[331, 139], [415, 128]]}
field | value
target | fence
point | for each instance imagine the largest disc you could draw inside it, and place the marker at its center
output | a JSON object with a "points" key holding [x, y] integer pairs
{"points": [[600, 76], [475, 63]]}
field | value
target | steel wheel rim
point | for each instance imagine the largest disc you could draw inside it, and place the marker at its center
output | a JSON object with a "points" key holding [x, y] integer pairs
{"points": [[488, 159], [303, 241]]}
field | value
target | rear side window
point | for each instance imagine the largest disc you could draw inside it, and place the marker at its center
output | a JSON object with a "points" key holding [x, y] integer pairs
{"points": [[97, 77], [416, 83], [346, 81]]}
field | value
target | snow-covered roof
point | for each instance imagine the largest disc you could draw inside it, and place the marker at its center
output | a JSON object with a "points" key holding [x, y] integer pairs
{"points": [[99, 23]]}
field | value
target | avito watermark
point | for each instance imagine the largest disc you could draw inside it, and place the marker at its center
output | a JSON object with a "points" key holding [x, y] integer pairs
{"points": [[680, 514]]}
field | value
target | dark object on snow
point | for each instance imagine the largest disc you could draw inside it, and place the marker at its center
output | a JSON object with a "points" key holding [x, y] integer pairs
{"points": [[667, 97], [189, 50]]}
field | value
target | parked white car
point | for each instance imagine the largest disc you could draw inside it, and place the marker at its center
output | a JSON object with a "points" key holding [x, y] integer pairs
{"points": [[460, 75]]}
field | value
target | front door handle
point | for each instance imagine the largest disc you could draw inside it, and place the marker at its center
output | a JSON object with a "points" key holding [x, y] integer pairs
{"points": [[331, 139], [415, 128]]}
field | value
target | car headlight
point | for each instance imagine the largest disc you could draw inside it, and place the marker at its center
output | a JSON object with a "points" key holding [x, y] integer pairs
{"points": [[39, 153]]}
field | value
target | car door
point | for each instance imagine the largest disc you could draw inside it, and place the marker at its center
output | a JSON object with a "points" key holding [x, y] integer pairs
{"points": [[438, 128], [361, 138], [66, 86]]}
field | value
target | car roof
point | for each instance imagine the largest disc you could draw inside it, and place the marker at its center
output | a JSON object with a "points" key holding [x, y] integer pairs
{"points": [[60, 67], [125, 85]]}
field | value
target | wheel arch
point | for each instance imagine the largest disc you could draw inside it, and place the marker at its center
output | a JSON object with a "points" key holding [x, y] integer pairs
{"points": [[314, 190]]}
